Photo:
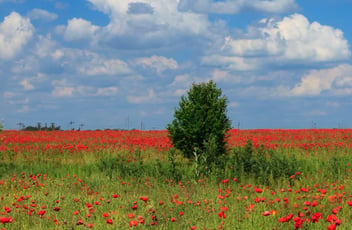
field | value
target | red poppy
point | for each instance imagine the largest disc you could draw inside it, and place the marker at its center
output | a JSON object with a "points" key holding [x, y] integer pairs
{"points": [[109, 221], [145, 199]]}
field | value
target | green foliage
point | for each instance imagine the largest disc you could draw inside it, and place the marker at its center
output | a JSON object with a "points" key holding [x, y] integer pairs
{"points": [[1, 126], [265, 165], [200, 123]]}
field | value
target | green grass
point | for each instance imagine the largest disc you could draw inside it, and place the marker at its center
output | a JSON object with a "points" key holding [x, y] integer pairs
{"points": [[171, 186]]}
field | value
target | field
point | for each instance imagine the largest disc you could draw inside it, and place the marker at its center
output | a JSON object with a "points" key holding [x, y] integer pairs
{"points": [[270, 179]]}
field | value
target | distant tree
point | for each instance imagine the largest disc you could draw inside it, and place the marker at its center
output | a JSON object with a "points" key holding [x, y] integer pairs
{"points": [[1, 126], [200, 122]]}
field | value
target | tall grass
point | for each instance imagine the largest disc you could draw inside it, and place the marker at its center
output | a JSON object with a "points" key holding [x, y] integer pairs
{"points": [[231, 192]]}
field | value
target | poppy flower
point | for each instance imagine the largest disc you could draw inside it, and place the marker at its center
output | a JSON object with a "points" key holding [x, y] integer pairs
{"points": [[133, 223], [109, 221], [5, 220], [266, 213]]}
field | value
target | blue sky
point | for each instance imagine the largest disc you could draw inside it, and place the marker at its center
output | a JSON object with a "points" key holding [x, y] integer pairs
{"points": [[125, 64]]}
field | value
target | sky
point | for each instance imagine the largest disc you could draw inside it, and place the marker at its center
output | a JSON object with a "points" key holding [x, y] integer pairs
{"points": [[125, 64]]}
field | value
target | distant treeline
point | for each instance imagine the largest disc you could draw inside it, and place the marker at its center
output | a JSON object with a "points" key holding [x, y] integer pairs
{"points": [[39, 127], [35, 128]]}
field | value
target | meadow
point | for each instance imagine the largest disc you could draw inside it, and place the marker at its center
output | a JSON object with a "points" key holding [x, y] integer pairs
{"points": [[269, 179]]}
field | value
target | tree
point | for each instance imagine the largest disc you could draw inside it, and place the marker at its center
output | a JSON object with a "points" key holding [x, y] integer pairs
{"points": [[1, 126], [201, 122]]}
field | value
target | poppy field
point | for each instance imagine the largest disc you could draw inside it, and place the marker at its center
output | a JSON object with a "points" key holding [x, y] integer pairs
{"points": [[270, 179]]}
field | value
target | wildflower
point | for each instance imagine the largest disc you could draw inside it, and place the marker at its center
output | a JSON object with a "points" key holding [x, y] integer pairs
{"points": [[109, 221], [5, 220], [145, 199], [133, 223], [266, 213]]}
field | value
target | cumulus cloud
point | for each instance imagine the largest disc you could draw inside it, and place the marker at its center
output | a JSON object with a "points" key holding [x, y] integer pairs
{"points": [[140, 24], [140, 8], [15, 32], [237, 6], [290, 40], [159, 63], [89, 63], [40, 14], [337, 80], [101, 66], [79, 29], [64, 89]]}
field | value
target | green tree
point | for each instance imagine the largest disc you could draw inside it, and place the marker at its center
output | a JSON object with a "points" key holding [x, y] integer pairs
{"points": [[200, 123], [1, 126]]}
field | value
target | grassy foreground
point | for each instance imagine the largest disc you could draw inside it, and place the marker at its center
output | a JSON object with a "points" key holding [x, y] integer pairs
{"points": [[251, 188]]}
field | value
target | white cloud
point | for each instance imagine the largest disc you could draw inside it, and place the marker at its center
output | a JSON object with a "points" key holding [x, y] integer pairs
{"points": [[45, 46], [337, 80], [107, 91], [276, 42], [63, 88], [27, 84], [79, 29], [237, 6], [150, 23], [231, 62], [62, 91], [40, 14], [100, 66], [89, 63], [15, 32], [159, 63]]}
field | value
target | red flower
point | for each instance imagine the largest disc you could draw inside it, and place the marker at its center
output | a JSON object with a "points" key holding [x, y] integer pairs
{"points": [[109, 221], [133, 223], [105, 214], [266, 213], [145, 199], [173, 219], [5, 220], [41, 213], [331, 227], [258, 190]]}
